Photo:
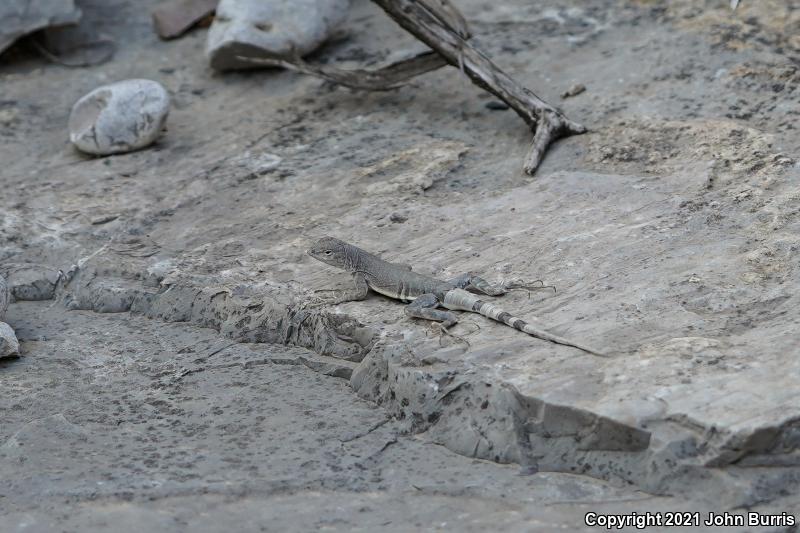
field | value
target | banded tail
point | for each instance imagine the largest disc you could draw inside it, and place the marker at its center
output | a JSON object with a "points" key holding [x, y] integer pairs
{"points": [[461, 300]]}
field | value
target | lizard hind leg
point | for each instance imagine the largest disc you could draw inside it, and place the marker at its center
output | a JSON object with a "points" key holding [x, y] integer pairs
{"points": [[425, 306]]}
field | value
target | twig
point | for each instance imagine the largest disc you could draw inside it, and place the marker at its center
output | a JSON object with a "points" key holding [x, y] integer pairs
{"points": [[448, 14], [383, 79]]}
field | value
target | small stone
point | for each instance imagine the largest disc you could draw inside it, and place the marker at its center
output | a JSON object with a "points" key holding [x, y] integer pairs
{"points": [[9, 345], [496, 105], [120, 117], [103, 219], [269, 29], [8, 341], [175, 17], [574, 90], [398, 218], [21, 17]]}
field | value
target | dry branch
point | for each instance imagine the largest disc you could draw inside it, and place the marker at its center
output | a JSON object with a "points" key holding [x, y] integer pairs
{"points": [[440, 25], [418, 18], [382, 79]]}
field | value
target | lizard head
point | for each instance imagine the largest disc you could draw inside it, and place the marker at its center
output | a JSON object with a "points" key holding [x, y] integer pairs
{"points": [[331, 251]]}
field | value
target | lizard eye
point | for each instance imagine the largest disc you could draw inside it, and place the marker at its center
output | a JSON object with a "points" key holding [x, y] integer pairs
{"points": [[328, 252]]}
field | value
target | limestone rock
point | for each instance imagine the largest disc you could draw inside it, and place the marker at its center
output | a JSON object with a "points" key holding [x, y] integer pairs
{"points": [[9, 345], [120, 117], [270, 28], [21, 17], [8, 341]]}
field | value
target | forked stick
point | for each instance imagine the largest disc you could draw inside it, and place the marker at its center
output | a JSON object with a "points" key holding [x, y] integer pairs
{"points": [[440, 25], [419, 17]]}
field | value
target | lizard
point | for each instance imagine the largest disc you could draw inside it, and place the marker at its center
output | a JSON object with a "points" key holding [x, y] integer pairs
{"points": [[426, 294]]}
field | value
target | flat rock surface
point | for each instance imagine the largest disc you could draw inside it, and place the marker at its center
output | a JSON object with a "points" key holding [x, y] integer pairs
{"points": [[670, 230]]}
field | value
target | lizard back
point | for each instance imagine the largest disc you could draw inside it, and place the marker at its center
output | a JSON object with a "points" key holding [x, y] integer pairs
{"points": [[398, 281]]}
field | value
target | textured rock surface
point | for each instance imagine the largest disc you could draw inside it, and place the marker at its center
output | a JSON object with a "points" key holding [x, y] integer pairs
{"points": [[119, 117], [269, 29], [30, 282], [21, 17], [190, 422], [5, 296], [670, 231]]}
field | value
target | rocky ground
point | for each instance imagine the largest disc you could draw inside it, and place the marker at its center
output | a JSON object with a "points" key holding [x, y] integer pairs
{"points": [[123, 422], [670, 231]]}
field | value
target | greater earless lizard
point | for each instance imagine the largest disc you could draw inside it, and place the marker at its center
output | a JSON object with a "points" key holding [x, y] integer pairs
{"points": [[425, 293]]}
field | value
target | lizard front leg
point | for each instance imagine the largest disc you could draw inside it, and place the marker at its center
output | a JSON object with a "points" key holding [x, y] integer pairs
{"points": [[478, 283], [358, 293]]}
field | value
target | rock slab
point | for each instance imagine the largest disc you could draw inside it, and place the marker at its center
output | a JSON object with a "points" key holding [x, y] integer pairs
{"points": [[270, 29], [19, 18], [30, 282], [119, 117]]}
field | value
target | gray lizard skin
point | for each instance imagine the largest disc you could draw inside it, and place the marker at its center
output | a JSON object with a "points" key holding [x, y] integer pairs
{"points": [[425, 293]]}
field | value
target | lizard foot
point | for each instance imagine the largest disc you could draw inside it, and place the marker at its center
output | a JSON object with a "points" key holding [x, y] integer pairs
{"points": [[522, 285], [444, 331]]}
